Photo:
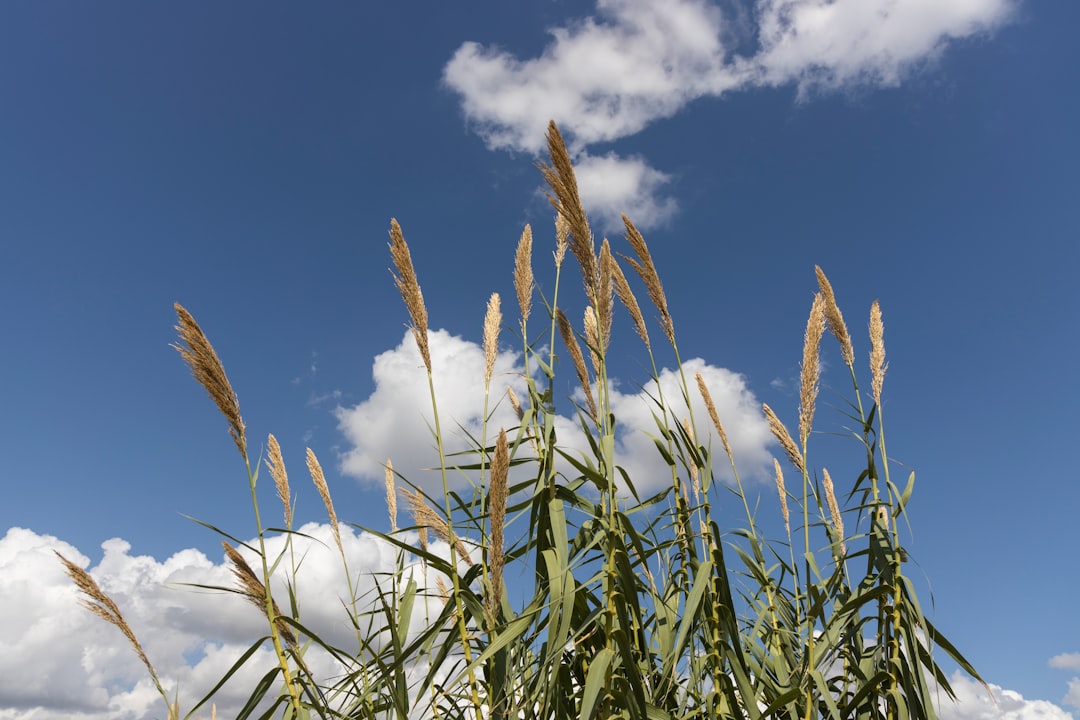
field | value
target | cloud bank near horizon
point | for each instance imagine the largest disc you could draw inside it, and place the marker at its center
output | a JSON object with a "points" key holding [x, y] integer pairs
{"points": [[62, 663], [610, 75]]}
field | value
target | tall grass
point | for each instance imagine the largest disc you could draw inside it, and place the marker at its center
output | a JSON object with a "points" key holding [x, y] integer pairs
{"points": [[639, 607]]}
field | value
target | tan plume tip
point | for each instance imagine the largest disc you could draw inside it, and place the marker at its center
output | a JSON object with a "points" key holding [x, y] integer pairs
{"points": [[407, 284], [492, 323], [391, 496], [626, 297], [570, 340], [878, 366], [783, 496], [319, 479], [99, 603], [515, 403], [811, 367], [834, 509], [564, 197], [784, 437], [427, 518], [523, 273], [592, 337], [647, 270], [253, 589], [497, 492], [562, 239], [276, 465], [605, 299], [711, 407], [208, 371], [835, 318]]}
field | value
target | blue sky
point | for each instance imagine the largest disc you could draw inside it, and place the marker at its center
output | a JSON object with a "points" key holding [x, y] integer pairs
{"points": [[245, 160]]}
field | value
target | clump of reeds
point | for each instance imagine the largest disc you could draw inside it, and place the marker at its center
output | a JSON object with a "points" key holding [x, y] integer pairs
{"points": [[561, 592]]}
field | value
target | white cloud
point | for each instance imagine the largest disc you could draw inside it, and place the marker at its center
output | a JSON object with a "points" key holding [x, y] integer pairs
{"points": [[1072, 697], [972, 703], [611, 186], [393, 422], [59, 662], [1066, 661], [610, 75]]}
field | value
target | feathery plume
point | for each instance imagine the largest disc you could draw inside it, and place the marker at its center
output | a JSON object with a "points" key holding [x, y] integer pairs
{"points": [[784, 437], [515, 403], [276, 465], [564, 197], [208, 371], [427, 518], [409, 287], [523, 273], [811, 367], [99, 603], [707, 397], [783, 496], [647, 270], [834, 509], [319, 479], [605, 300], [878, 366], [570, 340], [492, 323], [500, 470], [592, 337], [835, 318], [626, 296], [252, 588], [391, 495], [562, 239]]}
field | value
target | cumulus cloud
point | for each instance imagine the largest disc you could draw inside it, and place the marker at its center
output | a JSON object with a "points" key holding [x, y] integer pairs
{"points": [[394, 420], [59, 661], [634, 62], [611, 186], [1066, 661], [972, 703]]}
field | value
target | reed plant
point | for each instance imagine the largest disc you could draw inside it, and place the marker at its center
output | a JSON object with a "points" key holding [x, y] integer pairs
{"points": [[641, 607]]}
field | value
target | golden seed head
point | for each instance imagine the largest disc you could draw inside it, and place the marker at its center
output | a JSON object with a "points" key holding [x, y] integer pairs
{"points": [[605, 300], [276, 465], [570, 340], [208, 371], [592, 337], [492, 323], [99, 603], [707, 397], [523, 273], [783, 496], [409, 287], [564, 197], [428, 519], [497, 492], [626, 297], [784, 437], [562, 239], [835, 318], [515, 403], [253, 589], [319, 479], [811, 367], [834, 509], [878, 366], [647, 270], [391, 495]]}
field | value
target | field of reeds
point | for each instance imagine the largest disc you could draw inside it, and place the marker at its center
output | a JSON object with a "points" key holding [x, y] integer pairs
{"points": [[632, 607]]}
